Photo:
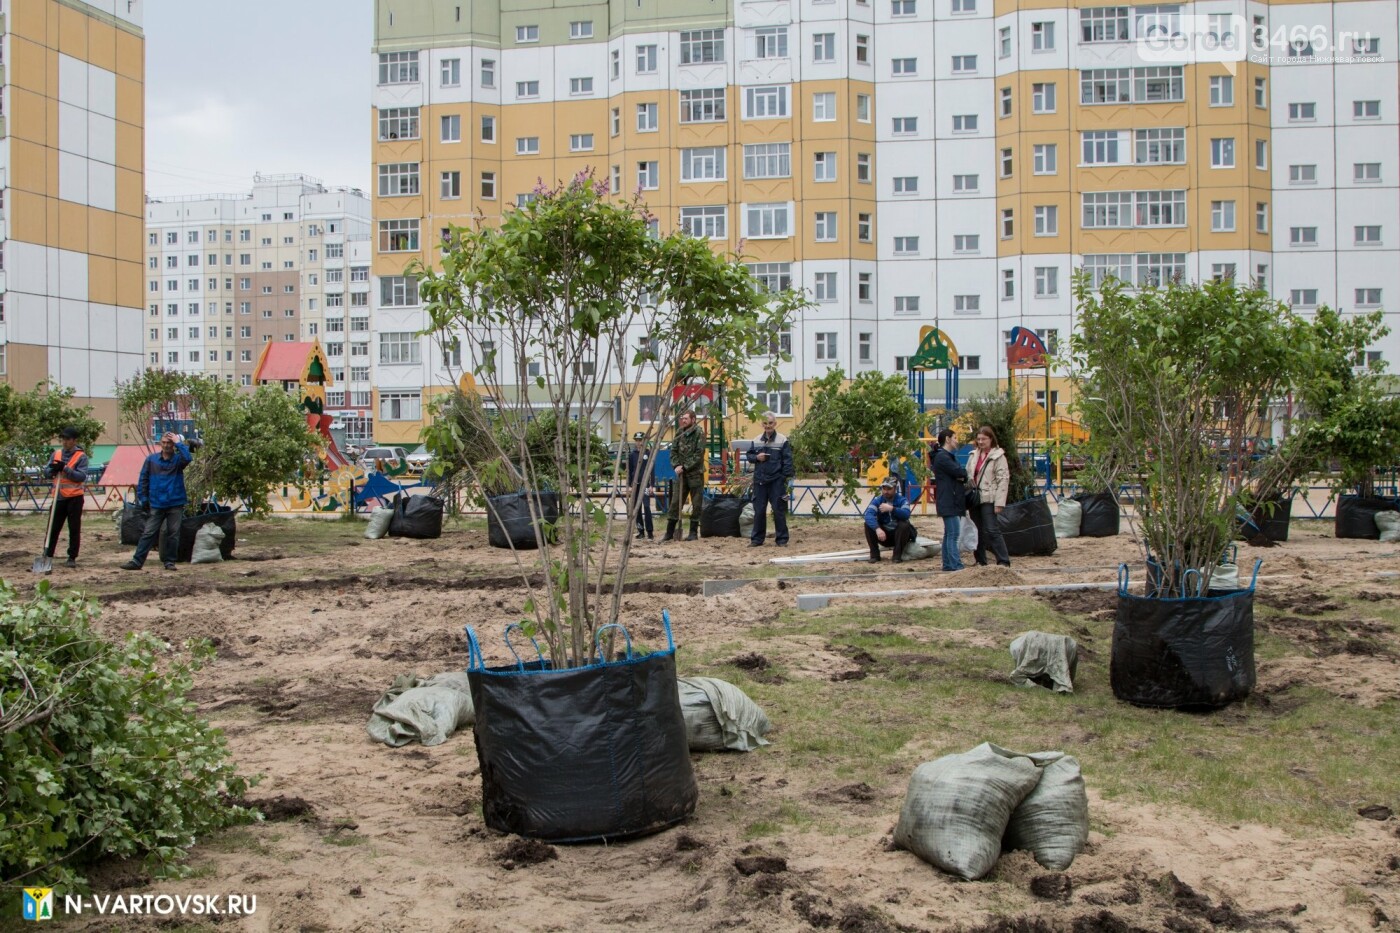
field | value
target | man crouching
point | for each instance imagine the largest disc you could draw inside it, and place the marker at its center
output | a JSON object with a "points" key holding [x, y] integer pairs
{"points": [[887, 522]]}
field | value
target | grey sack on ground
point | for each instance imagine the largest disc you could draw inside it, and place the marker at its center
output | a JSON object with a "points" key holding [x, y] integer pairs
{"points": [[719, 716], [1044, 660], [426, 710], [1052, 823]]}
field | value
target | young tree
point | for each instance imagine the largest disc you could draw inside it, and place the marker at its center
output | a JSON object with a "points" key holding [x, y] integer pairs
{"points": [[870, 417], [576, 287], [29, 422], [1002, 412]]}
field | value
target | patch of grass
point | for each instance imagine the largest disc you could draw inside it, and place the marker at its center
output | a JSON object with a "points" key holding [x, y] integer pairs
{"points": [[344, 839], [242, 839]]}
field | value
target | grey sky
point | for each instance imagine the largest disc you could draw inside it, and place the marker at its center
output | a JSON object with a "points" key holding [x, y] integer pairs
{"points": [[269, 86]]}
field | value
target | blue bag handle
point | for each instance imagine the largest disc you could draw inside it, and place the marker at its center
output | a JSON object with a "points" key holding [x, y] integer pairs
{"points": [[1186, 579], [1123, 579], [475, 661], [1258, 562], [1231, 555], [519, 663], [597, 644], [666, 623]]}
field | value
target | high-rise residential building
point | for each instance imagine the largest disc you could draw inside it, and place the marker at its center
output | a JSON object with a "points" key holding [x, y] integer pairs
{"points": [[72, 117], [227, 273], [907, 162]]}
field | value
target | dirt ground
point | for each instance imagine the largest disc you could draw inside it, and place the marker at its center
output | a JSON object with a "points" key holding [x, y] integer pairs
{"points": [[371, 838]]}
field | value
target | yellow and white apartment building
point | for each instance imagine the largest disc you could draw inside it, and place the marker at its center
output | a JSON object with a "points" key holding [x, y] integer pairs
{"points": [[71, 191], [907, 162]]}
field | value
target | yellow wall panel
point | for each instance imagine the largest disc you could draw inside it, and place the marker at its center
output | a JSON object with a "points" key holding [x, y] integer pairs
{"points": [[29, 20], [28, 365], [27, 213], [131, 102], [131, 238], [130, 196], [102, 232], [72, 229], [28, 65], [72, 32], [28, 115], [102, 45], [130, 284], [130, 148], [102, 280], [131, 56]]}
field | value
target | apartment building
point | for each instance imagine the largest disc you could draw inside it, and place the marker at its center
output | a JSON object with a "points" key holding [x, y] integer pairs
{"points": [[72, 119], [907, 162], [228, 273]]}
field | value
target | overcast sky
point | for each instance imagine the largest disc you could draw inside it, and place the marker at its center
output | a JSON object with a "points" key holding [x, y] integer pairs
{"points": [[267, 86]]}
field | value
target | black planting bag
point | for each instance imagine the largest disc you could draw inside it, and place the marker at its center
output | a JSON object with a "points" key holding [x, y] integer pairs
{"points": [[220, 515], [1099, 518], [1183, 652], [508, 518], [416, 517], [1356, 516], [133, 523], [587, 754], [1027, 527], [720, 517], [1270, 518]]}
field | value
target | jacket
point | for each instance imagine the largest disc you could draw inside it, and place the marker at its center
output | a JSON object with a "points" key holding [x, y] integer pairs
{"points": [[778, 467], [995, 481], [71, 472], [949, 477], [688, 450], [638, 468], [162, 482], [874, 518]]}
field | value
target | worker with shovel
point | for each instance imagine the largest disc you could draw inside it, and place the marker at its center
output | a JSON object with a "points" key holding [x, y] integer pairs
{"points": [[68, 470]]}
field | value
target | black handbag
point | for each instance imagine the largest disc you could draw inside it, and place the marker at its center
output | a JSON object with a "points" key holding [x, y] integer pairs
{"points": [[972, 499]]}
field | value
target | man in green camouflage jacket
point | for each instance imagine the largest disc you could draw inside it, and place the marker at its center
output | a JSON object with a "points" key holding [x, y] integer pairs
{"points": [[688, 456]]}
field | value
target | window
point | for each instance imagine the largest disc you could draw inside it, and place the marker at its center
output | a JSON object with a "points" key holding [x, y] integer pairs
{"points": [[863, 345], [1004, 42], [395, 178], [646, 118], [824, 166], [450, 72], [964, 6], [826, 347], [581, 29], [1042, 37], [824, 106], [450, 185], [1008, 284], [1222, 271], [1100, 147], [1368, 235], [646, 59], [1366, 109], [488, 186], [580, 86], [1368, 297], [488, 129], [1047, 220], [705, 105], [1008, 223], [1222, 216], [902, 7], [527, 89], [779, 400], [1366, 45], [1105, 86], [1044, 159], [967, 304], [768, 160], [965, 242], [862, 50], [824, 286], [527, 145], [1007, 163], [1165, 146], [906, 245], [906, 304], [702, 46], [581, 142], [962, 64], [706, 223], [863, 167], [1104, 24], [965, 184], [1302, 112], [451, 128], [1261, 153], [1261, 217], [906, 184], [616, 178], [398, 68], [970, 363], [823, 47], [761, 103], [767, 220], [1160, 208], [905, 126], [905, 67], [862, 108], [704, 164], [398, 123], [864, 228], [773, 277], [770, 42], [1261, 93], [398, 347], [1004, 103], [1043, 97], [616, 58], [1303, 297], [964, 123], [863, 284], [400, 406], [245, 331], [1222, 91], [527, 34], [824, 227], [1047, 281], [1302, 236], [398, 236], [648, 175], [488, 73], [1302, 174]]}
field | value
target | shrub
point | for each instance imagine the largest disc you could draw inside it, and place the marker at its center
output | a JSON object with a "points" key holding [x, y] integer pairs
{"points": [[101, 754]]}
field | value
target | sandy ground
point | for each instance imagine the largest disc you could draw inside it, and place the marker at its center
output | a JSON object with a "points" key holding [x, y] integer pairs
{"points": [[392, 839]]}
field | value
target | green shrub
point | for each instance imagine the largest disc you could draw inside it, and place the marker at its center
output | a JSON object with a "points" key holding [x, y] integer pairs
{"points": [[101, 754]]}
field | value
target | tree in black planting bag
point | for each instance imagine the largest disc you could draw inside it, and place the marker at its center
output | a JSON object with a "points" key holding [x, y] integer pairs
{"points": [[1027, 527], [1356, 516], [416, 517], [720, 517]]}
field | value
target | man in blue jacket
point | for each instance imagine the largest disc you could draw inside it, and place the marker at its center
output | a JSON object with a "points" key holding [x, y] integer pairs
{"points": [[887, 522], [771, 456], [161, 489]]}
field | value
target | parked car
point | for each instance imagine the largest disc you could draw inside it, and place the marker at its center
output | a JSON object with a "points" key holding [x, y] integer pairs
{"points": [[418, 461], [376, 458]]}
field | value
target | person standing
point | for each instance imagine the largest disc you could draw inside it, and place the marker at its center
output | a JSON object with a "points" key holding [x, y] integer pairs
{"points": [[688, 460], [950, 495], [161, 489], [639, 484], [887, 522], [991, 477], [771, 455], [69, 467]]}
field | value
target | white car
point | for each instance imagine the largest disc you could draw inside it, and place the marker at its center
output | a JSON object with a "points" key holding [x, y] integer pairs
{"points": [[389, 457], [418, 460]]}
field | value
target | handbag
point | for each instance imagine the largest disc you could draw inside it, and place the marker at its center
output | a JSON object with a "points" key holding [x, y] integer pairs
{"points": [[972, 499]]}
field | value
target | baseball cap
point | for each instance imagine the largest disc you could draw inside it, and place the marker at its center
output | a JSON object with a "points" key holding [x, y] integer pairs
{"points": [[889, 483], [639, 436], [68, 433]]}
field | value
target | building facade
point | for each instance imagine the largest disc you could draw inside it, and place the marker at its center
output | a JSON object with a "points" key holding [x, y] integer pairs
{"points": [[288, 261], [71, 190], [907, 162]]}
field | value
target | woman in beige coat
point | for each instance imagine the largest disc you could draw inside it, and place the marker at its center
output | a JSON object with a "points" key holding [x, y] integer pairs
{"points": [[990, 474]]}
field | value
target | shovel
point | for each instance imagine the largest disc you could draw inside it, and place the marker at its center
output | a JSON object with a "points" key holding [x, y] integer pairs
{"points": [[44, 563]]}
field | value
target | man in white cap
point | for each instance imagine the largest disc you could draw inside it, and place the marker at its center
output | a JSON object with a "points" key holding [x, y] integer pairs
{"points": [[887, 522]]}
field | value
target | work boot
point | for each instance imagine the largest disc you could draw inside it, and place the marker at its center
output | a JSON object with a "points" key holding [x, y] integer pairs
{"points": [[70, 563], [694, 532], [670, 531], [874, 557]]}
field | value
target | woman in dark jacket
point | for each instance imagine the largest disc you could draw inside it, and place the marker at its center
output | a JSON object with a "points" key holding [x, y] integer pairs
{"points": [[948, 480]]}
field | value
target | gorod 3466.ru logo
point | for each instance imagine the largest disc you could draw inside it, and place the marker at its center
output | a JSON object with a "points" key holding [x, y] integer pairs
{"points": [[38, 903]]}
